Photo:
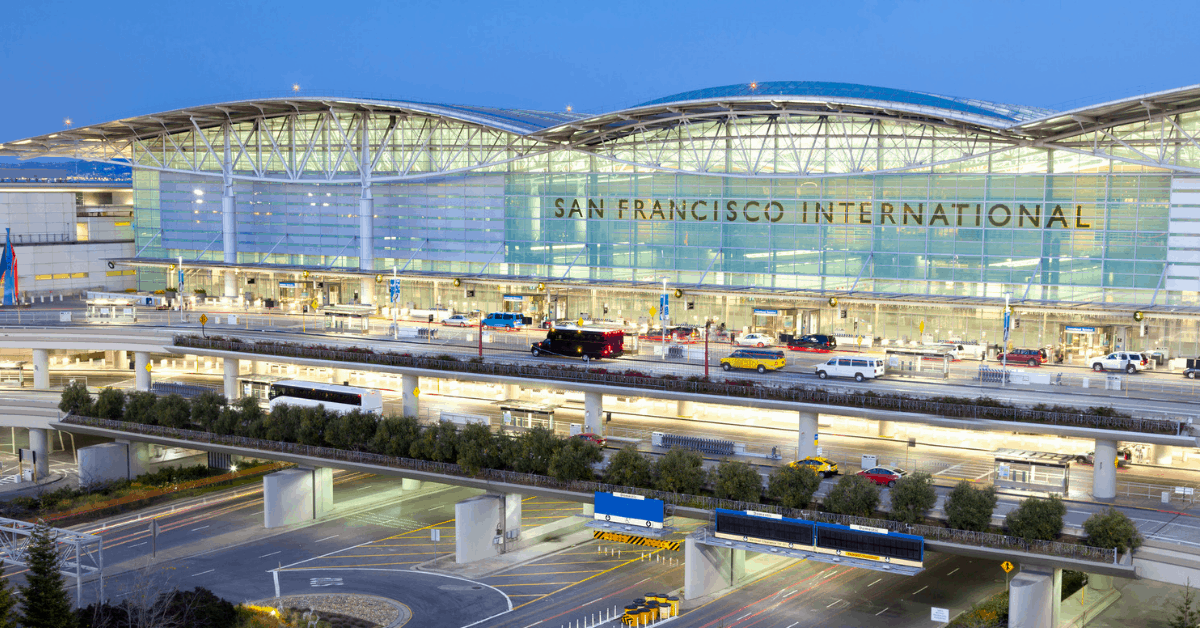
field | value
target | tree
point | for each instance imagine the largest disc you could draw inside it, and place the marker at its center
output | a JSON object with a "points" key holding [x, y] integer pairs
{"points": [[110, 404], [206, 409], [1111, 529], [970, 508], [853, 495], [44, 602], [537, 447], [139, 407], [312, 425], [477, 449], [628, 467], [1185, 615], [794, 486], [395, 436], [680, 471], [352, 430], [76, 399], [1037, 519], [283, 423], [913, 497], [173, 411], [737, 481], [437, 443], [574, 460], [8, 603]]}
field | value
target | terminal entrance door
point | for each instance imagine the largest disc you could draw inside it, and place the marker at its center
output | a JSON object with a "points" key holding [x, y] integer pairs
{"points": [[1082, 342], [774, 321]]}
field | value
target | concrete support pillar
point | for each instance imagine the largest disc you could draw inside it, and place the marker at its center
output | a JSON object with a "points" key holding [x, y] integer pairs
{"points": [[512, 391], [1100, 583], [258, 367], [39, 444], [685, 408], [322, 489], [287, 498], [232, 366], [1161, 455], [366, 290], [887, 429], [41, 369], [588, 510], [408, 387], [807, 438], [231, 288], [1034, 599], [123, 360], [409, 484], [141, 362], [1104, 470], [137, 458], [708, 569], [478, 530], [593, 412], [341, 376], [100, 464]]}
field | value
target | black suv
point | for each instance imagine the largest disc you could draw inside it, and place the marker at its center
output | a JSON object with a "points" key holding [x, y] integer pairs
{"points": [[813, 342]]}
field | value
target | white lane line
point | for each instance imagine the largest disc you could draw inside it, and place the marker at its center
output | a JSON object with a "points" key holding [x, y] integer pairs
{"points": [[327, 538], [921, 589], [594, 601], [200, 528], [949, 469], [744, 616], [137, 544], [835, 601], [952, 572], [203, 572], [365, 487], [793, 625], [829, 574], [875, 583], [882, 611], [535, 623], [271, 554]]}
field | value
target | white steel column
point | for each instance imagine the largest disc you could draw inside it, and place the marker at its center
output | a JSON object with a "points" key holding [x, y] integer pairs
{"points": [[41, 369], [228, 206], [806, 441], [366, 203], [39, 444], [141, 360], [1104, 470], [408, 388], [231, 290], [232, 366], [593, 413]]}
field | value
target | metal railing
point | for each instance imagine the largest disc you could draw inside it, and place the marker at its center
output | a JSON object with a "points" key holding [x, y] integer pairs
{"points": [[673, 500], [693, 385]]}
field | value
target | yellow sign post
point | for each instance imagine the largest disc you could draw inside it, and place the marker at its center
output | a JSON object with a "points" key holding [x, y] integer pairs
{"points": [[204, 319], [416, 391], [1006, 566]]}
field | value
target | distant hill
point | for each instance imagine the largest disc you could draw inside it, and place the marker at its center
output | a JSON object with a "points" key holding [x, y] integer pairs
{"points": [[74, 171]]}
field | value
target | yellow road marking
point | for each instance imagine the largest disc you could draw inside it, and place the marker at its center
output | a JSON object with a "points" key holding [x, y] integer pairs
{"points": [[537, 584], [540, 573], [396, 536], [632, 560], [379, 555], [406, 562]]}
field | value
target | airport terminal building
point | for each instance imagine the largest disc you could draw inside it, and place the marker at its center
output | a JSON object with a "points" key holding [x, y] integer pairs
{"points": [[783, 206]]}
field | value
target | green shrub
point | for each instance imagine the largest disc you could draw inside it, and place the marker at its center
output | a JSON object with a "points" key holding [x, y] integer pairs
{"points": [[737, 481], [535, 449], [628, 467], [574, 460], [853, 495], [970, 508], [1037, 519], [794, 486], [680, 471], [913, 497], [76, 399], [1111, 529]]}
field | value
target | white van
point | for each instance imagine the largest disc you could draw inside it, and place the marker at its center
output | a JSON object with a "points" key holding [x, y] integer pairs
{"points": [[858, 368]]}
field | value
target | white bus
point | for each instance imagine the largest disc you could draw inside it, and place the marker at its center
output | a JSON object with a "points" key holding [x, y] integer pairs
{"points": [[334, 397]]}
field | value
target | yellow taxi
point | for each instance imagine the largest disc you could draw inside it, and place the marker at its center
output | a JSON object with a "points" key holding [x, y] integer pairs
{"points": [[823, 467], [761, 360]]}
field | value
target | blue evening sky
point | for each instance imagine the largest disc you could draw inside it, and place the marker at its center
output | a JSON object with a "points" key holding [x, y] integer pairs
{"points": [[98, 61]]}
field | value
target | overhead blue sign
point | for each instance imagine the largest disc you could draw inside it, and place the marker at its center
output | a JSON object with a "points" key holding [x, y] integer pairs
{"points": [[1078, 329], [628, 509], [762, 312], [513, 297], [287, 284]]}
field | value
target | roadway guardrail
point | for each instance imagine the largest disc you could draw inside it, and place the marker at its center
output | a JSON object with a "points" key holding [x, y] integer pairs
{"points": [[696, 385], [676, 502]]}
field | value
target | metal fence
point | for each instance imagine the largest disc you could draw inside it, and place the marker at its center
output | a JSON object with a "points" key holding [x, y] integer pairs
{"points": [[673, 500], [694, 385]]}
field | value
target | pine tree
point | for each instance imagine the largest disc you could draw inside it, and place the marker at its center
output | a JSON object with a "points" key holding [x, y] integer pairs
{"points": [[44, 602], [8, 603], [1186, 614]]}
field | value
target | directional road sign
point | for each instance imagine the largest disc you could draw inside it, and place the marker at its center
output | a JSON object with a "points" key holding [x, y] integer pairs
{"points": [[1006, 566], [204, 319]]}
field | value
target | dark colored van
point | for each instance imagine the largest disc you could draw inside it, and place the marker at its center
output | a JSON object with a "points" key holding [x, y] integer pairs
{"points": [[819, 343], [581, 342]]}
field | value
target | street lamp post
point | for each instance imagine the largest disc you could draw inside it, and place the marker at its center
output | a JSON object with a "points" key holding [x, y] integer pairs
{"points": [[707, 327], [1004, 347]]}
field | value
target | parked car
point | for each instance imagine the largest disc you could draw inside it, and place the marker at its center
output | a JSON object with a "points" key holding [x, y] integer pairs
{"points": [[460, 320], [1191, 373], [754, 340], [821, 466], [883, 476], [1028, 357], [761, 360], [1120, 361], [819, 343], [964, 351], [504, 320], [581, 342], [858, 368], [595, 439], [1123, 454]]}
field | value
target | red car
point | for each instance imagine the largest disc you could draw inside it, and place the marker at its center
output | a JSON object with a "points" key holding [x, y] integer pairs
{"points": [[594, 439], [884, 476], [1029, 357]]}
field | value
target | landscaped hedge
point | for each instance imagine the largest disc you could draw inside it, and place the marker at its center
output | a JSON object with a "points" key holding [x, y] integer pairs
{"points": [[950, 407]]}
